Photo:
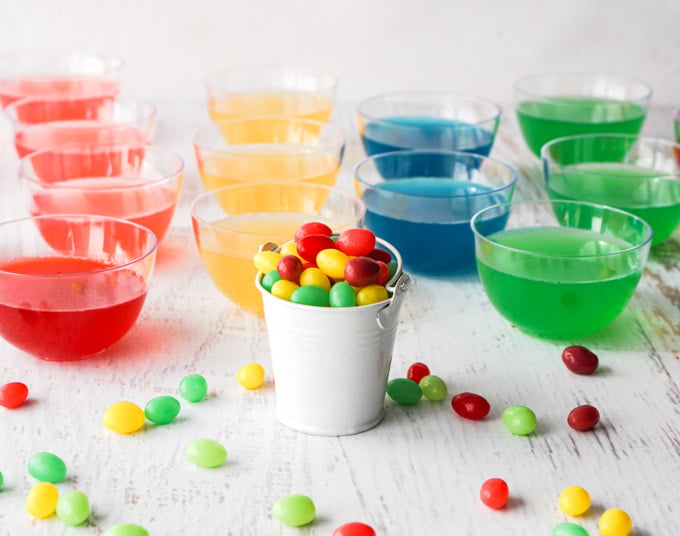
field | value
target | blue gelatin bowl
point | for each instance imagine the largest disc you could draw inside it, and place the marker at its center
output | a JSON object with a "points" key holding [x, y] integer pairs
{"points": [[422, 202]]}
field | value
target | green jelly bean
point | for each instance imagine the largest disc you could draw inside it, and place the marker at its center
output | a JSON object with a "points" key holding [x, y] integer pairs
{"points": [[404, 391], [47, 467], [126, 529], [206, 453], [311, 295], [269, 279], [193, 388], [433, 388], [73, 508], [294, 510], [392, 268], [569, 529], [520, 420], [2, 480], [342, 295], [162, 409]]}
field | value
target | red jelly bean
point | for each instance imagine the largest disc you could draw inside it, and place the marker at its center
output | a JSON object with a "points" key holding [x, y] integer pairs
{"points": [[354, 529], [357, 242], [289, 267], [494, 493], [380, 255], [384, 273], [309, 246], [311, 228], [417, 372], [579, 359], [13, 394], [362, 271], [583, 418], [470, 406]]}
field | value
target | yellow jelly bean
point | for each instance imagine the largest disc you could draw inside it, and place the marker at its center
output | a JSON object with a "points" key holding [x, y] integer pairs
{"points": [[251, 376], [574, 501], [266, 261], [314, 276], [615, 522], [371, 294], [124, 417], [284, 289], [332, 262], [41, 501], [289, 248]]}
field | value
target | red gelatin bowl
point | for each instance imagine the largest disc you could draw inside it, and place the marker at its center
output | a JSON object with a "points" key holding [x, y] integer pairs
{"points": [[72, 285]]}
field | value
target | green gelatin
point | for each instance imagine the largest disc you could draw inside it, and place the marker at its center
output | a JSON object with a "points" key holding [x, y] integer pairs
{"points": [[46, 467], [433, 388], [206, 453], [126, 529], [162, 409], [342, 295], [294, 510], [73, 507], [193, 388], [404, 391], [311, 295], [520, 420], [569, 529], [269, 279]]}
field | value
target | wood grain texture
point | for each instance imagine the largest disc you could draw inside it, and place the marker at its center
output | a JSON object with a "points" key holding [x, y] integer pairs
{"points": [[420, 471]]}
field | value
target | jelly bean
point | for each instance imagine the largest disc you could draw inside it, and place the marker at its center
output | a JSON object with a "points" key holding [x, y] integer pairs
{"points": [[615, 522], [289, 248], [314, 276], [206, 453], [417, 371], [404, 391], [354, 529], [380, 255], [312, 228], [342, 295], [520, 420], [393, 266], [362, 271], [583, 418], [332, 262], [126, 529], [41, 501], [384, 273], [494, 493], [311, 295], [574, 501], [309, 246], [470, 406], [356, 242], [193, 388], [266, 261], [371, 294], [289, 267], [579, 359], [13, 394], [73, 508], [162, 409], [46, 467], [569, 529], [268, 279], [284, 289], [2, 480], [124, 417], [294, 510], [433, 388], [251, 376]]}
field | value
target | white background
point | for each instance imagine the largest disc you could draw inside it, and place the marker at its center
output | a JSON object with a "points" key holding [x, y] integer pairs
{"points": [[478, 47]]}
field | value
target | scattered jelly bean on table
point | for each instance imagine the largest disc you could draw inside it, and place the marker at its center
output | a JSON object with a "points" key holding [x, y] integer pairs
{"points": [[470, 406], [13, 394], [206, 453], [520, 420], [404, 391], [356, 242], [354, 529], [2, 480], [615, 522], [569, 529], [294, 510], [417, 371], [494, 493], [126, 529], [371, 294], [362, 271], [73, 507], [193, 388], [311, 295], [162, 409], [342, 295], [574, 501], [434, 388], [312, 228], [579, 359], [46, 467], [124, 417], [268, 279], [41, 501], [251, 376], [583, 418]]}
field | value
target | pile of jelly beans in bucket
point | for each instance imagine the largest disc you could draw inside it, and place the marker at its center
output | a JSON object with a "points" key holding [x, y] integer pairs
{"points": [[323, 269]]}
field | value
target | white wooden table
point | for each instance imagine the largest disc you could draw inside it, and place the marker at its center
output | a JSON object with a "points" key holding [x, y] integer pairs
{"points": [[420, 471]]}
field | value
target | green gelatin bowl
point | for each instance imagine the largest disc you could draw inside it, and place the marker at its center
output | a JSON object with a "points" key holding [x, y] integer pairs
{"points": [[640, 175], [560, 269]]}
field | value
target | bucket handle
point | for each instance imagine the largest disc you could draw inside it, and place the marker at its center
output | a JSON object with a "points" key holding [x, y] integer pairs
{"points": [[387, 317]]}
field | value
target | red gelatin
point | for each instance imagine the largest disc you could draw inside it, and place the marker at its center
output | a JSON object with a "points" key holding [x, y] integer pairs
{"points": [[13, 394], [470, 406], [417, 372], [579, 359], [583, 418], [354, 529], [312, 228], [309, 246], [356, 242], [362, 271], [494, 493]]}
